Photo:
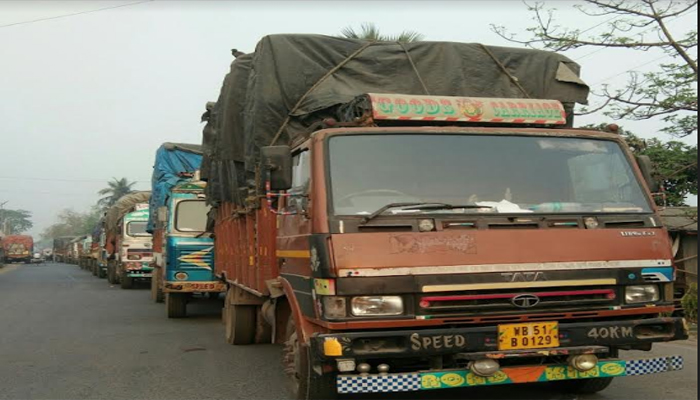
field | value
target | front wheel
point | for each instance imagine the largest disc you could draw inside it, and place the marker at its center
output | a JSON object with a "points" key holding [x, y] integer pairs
{"points": [[176, 305], [126, 282], [584, 386], [304, 382]]}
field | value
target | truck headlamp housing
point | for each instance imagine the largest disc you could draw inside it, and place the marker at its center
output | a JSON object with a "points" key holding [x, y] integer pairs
{"points": [[373, 306], [641, 294]]}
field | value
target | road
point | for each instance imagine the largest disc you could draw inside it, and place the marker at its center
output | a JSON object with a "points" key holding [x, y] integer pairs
{"points": [[65, 334]]}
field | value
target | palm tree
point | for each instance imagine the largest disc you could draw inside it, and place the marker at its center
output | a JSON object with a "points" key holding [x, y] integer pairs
{"points": [[369, 31], [114, 191]]}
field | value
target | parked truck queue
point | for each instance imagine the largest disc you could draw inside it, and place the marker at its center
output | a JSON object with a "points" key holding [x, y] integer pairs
{"points": [[405, 217]]}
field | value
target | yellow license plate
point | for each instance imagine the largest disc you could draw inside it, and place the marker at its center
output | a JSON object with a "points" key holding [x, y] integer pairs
{"points": [[534, 335]]}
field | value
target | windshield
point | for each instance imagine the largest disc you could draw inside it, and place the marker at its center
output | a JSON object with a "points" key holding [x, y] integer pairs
{"points": [[137, 228], [191, 216], [506, 174]]}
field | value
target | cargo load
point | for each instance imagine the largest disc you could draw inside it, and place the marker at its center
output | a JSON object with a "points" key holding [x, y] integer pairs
{"points": [[276, 95], [174, 163]]}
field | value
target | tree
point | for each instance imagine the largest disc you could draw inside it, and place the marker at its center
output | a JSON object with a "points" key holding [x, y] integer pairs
{"points": [[72, 223], [114, 191], [670, 92], [369, 31], [14, 222], [675, 164]]}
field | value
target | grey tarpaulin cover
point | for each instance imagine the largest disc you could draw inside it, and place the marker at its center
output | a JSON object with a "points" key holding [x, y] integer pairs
{"points": [[124, 205], [262, 89]]}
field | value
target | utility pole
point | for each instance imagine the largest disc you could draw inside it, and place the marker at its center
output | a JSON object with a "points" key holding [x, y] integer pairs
{"points": [[3, 226]]}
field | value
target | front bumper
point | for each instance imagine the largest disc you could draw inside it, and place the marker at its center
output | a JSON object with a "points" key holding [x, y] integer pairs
{"points": [[456, 378], [624, 334], [194, 286]]}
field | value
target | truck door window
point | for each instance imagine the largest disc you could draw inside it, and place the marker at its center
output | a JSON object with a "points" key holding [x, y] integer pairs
{"points": [[301, 176], [191, 216]]}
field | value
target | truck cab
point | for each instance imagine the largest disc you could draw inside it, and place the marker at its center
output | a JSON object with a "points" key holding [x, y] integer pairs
{"points": [[186, 261], [433, 257], [134, 248]]}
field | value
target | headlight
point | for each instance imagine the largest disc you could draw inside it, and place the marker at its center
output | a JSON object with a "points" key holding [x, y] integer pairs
{"points": [[641, 294], [367, 306]]}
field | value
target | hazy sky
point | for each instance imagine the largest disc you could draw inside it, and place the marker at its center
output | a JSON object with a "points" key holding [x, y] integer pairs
{"points": [[89, 97]]}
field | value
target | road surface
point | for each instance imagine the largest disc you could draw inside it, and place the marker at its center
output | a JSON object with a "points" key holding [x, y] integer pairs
{"points": [[68, 335]]}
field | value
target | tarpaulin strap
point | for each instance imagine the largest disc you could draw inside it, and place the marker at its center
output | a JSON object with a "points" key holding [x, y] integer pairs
{"points": [[323, 78], [512, 78], [413, 65]]}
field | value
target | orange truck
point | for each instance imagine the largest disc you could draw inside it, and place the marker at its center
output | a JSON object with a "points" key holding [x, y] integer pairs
{"points": [[412, 242], [18, 248]]}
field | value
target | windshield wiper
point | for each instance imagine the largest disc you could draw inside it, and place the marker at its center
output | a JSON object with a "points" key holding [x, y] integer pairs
{"points": [[419, 206]]}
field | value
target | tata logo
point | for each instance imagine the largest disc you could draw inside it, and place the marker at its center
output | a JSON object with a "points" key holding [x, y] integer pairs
{"points": [[523, 276], [637, 233], [525, 300]]}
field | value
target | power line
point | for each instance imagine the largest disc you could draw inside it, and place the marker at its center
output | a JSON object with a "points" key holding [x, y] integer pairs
{"points": [[631, 69], [19, 178], [74, 14]]}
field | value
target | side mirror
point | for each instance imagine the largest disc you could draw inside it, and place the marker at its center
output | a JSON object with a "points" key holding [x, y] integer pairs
{"points": [[645, 166], [278, 161], [162, 215]]}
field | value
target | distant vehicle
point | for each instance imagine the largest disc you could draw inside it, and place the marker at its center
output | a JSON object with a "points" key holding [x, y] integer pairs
{"points": [[48, 253], [128, 245], [37, 258], [61, 247], [18, 248]]}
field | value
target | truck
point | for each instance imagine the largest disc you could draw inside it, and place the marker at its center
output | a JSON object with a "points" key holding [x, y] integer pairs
{"points": [[18, 248], [84, 245], [97, 251], [183, 253], [424, 216], [127, 244], [60, 248]]}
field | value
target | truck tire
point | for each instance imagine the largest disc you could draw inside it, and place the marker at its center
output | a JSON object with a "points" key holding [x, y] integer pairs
{"points": [[126, 282], [176, 305], [240, 324], [110, 274], [94, 268], [157, 294], [304, 383], [584, 386], [101, 273]]}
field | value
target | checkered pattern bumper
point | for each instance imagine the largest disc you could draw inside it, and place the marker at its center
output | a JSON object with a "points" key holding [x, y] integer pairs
{"points": [[407, 382]]}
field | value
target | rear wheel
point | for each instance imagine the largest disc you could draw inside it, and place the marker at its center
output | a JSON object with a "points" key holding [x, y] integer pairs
{"points": [[584, 386], [240, 324], [176, 305], [303, 381]]}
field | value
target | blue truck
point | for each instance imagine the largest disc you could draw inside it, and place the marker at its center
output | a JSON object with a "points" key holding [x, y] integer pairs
{"points": [[183, 251]]}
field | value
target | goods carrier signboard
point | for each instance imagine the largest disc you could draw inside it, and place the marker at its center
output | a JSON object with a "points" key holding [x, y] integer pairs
{"points": [[466, 109]]}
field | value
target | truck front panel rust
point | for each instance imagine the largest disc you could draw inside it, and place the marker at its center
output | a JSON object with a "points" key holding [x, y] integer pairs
{"points": [[480, 251]]}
